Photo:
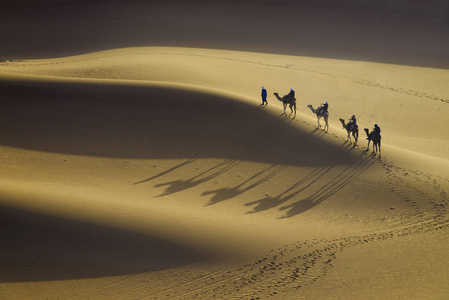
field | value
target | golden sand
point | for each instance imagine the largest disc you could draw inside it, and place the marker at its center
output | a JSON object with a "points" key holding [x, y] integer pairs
{"points": [[149, 169]]}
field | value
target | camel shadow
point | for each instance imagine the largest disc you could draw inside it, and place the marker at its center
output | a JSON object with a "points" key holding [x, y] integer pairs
{"points": [[299, 207], [271, 202], [223, 194], [318, 132], [180, 185], [337, 183]]}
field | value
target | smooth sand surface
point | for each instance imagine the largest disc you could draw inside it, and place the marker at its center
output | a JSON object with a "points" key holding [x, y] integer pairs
{"points": [[137, 162]]}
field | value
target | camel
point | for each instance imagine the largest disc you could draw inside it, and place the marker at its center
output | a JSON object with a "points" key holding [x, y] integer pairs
{"points": [[287, 100], [350, 128], [319, 113], [375, 138]]}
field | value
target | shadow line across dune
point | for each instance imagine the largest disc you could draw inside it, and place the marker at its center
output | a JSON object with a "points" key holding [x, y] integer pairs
{"points": [[127, 120]]}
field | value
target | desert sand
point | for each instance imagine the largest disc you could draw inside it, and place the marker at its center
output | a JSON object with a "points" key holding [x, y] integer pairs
{"points": [[137, 162]]}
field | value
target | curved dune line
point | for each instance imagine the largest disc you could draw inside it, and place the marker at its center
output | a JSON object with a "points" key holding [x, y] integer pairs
{"points": [[120, 119], [372, 91]]}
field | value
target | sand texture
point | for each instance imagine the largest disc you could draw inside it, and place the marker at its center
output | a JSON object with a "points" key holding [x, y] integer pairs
{"points": [[138, 163]]}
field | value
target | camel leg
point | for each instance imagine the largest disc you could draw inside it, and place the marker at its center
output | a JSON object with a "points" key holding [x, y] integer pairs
{"points": [[291, 108], [377, 145], [379, 149]]}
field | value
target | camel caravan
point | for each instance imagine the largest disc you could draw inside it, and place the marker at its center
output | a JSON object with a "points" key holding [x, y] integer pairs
{"points": [[351, 127]]}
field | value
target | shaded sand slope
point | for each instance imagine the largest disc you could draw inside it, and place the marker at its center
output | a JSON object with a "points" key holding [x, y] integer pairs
{"points": [[138, 121], [86, 249]]}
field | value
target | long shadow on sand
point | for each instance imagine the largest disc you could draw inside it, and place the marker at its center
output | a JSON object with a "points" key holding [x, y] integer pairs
{"points": [[337, 183], [271, 202], [189, 161], [180, 185], [139, 121], [257, 179], [41, 247]]}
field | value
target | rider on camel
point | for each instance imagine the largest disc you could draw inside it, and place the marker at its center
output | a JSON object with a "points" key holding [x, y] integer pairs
{"points": [[352, 122], [324, 107], [376, 129], [291, 94]]}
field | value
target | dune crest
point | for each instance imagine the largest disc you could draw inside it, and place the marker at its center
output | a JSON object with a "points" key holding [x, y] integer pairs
{"points": [[372, 85]]}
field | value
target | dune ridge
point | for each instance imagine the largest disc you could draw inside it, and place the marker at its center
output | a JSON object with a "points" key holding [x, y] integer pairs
{"points": [[369, 98]]}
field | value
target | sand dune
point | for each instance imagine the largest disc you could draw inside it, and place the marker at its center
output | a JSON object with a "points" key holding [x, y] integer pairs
{"points": [[153, 172]]}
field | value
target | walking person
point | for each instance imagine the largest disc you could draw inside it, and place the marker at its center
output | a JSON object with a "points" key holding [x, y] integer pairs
{"points": [[264, 96]]}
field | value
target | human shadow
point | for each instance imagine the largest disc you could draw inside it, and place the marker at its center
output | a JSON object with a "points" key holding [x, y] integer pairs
{"points": [[269, 202], [189, 161], [180, 185], [330, 188], [229, 193]]}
